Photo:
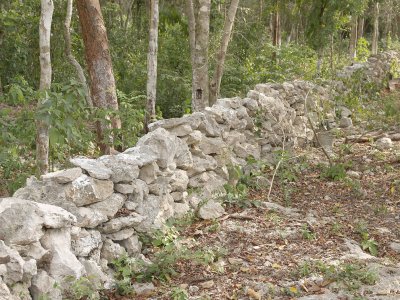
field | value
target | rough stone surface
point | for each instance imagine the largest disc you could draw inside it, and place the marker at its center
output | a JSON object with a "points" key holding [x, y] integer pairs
{"points": [[95, 168], [211, 210], [63, 261], [384, 143], [86, 242], [63, 176]]}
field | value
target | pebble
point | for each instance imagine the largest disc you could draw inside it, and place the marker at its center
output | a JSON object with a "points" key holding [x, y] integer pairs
{"points": [[207, 284]]}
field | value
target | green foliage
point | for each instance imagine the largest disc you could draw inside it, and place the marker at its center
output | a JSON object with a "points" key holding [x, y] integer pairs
{"points": [[167, 253], [349, 275], [367, 243], [178, 293], [81, 288], [335, 172], [362, 49], [307, 233]]}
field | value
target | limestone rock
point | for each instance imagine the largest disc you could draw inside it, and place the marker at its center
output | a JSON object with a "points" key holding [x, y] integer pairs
{"points": [[111, 250], [116, 224], [179, 181], [14, 264], [63, 176], [124, 167], [89, 218], [163, 143], [132, 245], [212, 145], [121, 235], [63, 261], [149, 172], [34, 250], [22, 221], [110, 206], [157, 210], [193, 138], [384, 143], [95, 168], [345, 122], [124, 188], [142, 155], [43, 286], [5, 293], [86, 242], [211, 210], [94, 272], [180, 209], [140, 193], [143, 289], [86, 190]]}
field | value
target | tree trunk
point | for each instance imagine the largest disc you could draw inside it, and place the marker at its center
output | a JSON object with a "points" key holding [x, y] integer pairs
{"points": [[360, 27], [199, 30], [353, 38], [219, 69], [70, 56], [276, 31], [42, 127], [152, 64], [375, 35], [98, 59]]}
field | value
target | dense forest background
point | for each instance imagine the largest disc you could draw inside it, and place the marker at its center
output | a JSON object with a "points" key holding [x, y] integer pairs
{"points": [[271, 41]]}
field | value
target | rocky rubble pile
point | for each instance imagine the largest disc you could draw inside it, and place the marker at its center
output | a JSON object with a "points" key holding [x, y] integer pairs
{"points": [[75, 222]]}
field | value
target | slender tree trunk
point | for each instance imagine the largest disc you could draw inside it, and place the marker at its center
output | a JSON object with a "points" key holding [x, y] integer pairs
{"points": [[152, 64], [332, 44], [70, 56], [353, 38], [276, 31], [42, 127], [98, 59], [199, 31], [375, 35], [360, 27], [219, 69]]}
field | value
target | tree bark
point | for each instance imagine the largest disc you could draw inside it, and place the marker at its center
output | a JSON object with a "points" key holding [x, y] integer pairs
{"points": [[152, 64], [375, 35], [219, 69], [70, 56], [42, 127], [276, 31], [199, 31], [353, 38], [360, 27], [98, 59]]}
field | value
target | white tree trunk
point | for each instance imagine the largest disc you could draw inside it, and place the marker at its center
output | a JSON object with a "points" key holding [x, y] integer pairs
{"points": [[42, 127], [375, 35], [70, 56], [152, 64], [353, 38], [199, 31], [226, 35]]}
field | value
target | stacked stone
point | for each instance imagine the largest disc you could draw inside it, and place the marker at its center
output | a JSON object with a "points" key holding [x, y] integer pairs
{"points": [[77, 221]]}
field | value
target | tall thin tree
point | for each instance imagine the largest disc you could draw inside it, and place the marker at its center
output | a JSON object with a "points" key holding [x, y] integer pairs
{"points": [[152, 64], [98, 60], [375, 34], [42, 126], [215, 84], [70, 56], [199, 31]]}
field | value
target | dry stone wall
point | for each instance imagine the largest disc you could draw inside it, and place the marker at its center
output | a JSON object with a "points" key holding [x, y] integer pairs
{"points": [[76, 221]]}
